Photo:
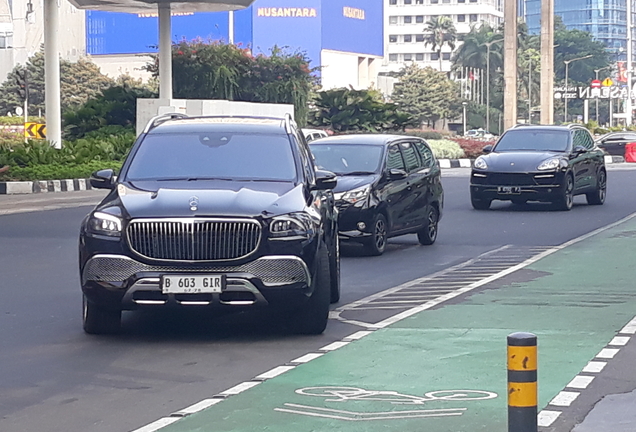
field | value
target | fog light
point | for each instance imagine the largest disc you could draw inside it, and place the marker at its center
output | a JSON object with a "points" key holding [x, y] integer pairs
{"points": [[361, 226]]}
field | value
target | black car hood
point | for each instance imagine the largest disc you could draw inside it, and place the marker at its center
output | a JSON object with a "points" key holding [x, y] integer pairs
{"points": [[227, 199], [347, 183], [518, 161]]}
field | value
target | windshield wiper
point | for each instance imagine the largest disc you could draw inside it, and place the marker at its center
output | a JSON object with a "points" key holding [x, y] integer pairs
{"points": [[192, 179], [354, 173]]}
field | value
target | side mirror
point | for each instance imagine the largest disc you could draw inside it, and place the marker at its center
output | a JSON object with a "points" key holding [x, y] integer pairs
{"points": [[397, 174], [579, 150], [325, 180], [487, 149], [103, 179]]}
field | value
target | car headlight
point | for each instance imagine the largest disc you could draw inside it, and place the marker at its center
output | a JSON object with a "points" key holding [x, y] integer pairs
{"points": [[356, 195], [105, 224], [549, 164], [480, 163], [292, 226]]}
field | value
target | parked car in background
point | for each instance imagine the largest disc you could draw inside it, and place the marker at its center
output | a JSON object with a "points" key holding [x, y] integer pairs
{"points": [[213, 211], [479, 134], [540, 163], [388, 185], [314, 134], [614, 143]]}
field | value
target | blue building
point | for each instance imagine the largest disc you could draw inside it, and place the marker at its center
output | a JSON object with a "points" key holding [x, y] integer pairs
{"points": [[606, 20], [343, 37]]}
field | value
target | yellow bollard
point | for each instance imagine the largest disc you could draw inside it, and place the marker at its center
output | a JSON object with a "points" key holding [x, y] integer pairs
{"points": [[522, 382]]}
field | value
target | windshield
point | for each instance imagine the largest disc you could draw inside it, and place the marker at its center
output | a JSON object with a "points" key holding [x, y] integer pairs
{"points": [[348, 159], [213, 155], [533, 140]]}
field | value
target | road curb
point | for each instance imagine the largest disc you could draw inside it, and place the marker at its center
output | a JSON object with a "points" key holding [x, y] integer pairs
{"points": [[72, 185], [44, 186]]}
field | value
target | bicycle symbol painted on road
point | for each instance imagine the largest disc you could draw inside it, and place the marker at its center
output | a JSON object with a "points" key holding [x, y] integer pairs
{"points": [[345, 394]]}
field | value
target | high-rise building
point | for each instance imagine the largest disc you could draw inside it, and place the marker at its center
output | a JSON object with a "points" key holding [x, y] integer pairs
{"points": [[405, 21], [606, 20]]}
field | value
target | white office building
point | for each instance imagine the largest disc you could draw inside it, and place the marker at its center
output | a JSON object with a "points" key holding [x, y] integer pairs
{"points": [[405, 21]]}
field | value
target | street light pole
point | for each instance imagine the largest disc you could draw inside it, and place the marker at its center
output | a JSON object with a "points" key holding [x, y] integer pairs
{"points": [[567, 64], [596, 71], [530, 89], [488, 44], [464, 117]]}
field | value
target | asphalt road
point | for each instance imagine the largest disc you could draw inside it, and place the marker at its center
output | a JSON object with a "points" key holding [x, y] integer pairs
{"points": [[53, 377]]}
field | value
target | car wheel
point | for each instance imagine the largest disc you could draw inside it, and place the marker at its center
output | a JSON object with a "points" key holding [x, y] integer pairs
{"points": [[480, 204], [566, 201], [428, 234], [312, 317], [376, 244], [334, 272], [98, 320], [598, 196]]}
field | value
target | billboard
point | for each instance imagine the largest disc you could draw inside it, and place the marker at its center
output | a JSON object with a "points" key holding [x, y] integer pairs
{"points": [[354, 26]]}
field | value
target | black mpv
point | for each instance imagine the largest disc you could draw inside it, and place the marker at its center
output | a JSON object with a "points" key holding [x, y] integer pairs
{"points": [[388, 185], [213, 211]]}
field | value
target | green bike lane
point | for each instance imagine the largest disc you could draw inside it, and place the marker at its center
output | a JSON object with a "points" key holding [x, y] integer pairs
{"points": [[444, 369]]}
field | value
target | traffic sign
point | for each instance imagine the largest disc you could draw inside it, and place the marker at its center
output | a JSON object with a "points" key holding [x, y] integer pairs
{"points": [[607, 82], [19, 111], [596, 84], [35, 130]]}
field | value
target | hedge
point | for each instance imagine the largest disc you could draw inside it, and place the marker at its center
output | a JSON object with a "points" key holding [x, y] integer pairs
{"points": [[57, 171]]}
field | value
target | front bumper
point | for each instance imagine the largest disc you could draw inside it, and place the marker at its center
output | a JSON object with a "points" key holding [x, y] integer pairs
{"points": [[350, 218], [119, 281], [534, 186]]}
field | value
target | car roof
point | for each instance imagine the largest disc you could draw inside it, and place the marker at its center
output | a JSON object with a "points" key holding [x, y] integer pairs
{"points": [[237, 124], [546, 127], [369, 139]]}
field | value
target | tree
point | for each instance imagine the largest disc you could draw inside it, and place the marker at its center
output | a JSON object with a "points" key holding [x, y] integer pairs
{"points": [[79, 82], [473, 51], [427, 94], [439, 32]]}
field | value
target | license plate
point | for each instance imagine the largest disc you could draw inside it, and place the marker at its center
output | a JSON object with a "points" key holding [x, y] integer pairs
{"points": [[509, 190], [192, 284]]}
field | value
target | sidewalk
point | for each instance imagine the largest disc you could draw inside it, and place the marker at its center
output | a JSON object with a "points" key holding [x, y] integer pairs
{"points": [[444, 369]]}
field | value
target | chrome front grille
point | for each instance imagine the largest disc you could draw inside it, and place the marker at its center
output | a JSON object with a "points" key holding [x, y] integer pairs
{"points": [[194, 239]]}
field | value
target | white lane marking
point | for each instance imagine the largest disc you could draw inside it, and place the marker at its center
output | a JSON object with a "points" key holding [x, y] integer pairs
{"points": [[361, 416], [619, 341], [358, 335], [594, 367], [607, 353], [580, 382], [240, 388], [158, 424], [334, 346], [630, 328], [308, 357], [546, 418], [274, 372], [564, 398], [199, 406]]}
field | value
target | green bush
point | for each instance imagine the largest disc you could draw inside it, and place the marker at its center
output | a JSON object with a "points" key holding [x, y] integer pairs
{"points": [[18, 121], [427, 135], [57, 171], [446, 149]]}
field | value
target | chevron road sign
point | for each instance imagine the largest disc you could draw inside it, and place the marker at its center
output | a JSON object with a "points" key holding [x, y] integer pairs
{"points": [[35, 130]]}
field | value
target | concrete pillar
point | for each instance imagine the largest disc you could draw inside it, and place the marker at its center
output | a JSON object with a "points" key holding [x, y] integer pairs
{"points": [[52, 101], [630, 52], [510, 63], [547, 61], [165, 51]]}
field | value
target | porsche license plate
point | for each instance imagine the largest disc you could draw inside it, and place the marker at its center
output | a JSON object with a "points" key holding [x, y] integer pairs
{"points": [[192, 284], [507, 190]]}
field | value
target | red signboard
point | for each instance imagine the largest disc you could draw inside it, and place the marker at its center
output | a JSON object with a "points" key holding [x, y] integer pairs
{"points": [[596, 84]]}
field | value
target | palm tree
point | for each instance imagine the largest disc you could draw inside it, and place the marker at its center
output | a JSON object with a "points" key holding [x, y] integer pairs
{"points": [[473, 51], [440, 31]]}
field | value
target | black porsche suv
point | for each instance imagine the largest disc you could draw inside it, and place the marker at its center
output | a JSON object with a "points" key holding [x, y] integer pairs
{"points": [[540, 163], [213, 211]]}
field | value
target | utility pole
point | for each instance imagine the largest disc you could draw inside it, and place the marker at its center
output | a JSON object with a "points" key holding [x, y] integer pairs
{"points": [[628, 102], [510, 63], [547, 61]]}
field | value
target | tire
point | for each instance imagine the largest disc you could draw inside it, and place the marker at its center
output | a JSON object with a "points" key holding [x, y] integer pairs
{"points": [[312, 317], [97, 320], [598, 196], [428, 234], [566, 201], [480, 204], [376, 244], [334, 272]]}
